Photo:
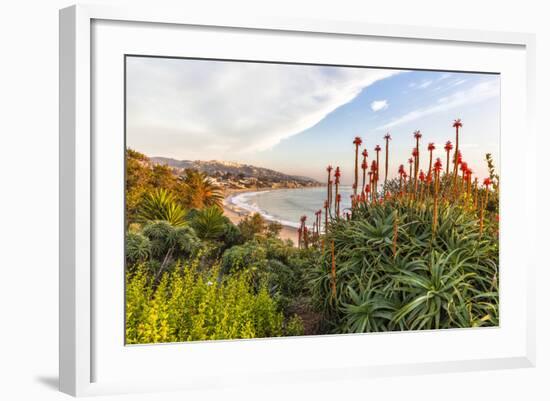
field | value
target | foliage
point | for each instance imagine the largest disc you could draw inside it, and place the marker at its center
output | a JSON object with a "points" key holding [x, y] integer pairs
{"points": [[138, 248], [251, 226], [273, 229], [144, 179], [188, 305], [210, 223], [294, 326], [159, 245], [161, 205], [200, 192], [445, 280]]}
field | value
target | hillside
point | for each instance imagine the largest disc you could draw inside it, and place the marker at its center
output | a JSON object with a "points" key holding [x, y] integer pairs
{"points": [[236, 175]]}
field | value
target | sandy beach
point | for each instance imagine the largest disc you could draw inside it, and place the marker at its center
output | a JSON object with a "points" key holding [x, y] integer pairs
{"points": [[236, 215]]}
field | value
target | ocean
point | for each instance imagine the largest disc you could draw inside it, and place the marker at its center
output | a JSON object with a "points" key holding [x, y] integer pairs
{"points": [[287, 205]]}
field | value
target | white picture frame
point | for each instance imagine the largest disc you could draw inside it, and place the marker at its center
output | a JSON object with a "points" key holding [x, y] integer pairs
{"points": [[83, 350]]}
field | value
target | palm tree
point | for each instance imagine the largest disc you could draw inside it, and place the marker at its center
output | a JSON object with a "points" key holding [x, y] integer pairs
{"points": [[456, 124], [161, 205], [387, 137], [209, 223], [448, 148], [200, 191], [357, 142]]}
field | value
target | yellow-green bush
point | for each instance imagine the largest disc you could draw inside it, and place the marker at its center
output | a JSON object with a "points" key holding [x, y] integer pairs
{"points": [[188, 305]]}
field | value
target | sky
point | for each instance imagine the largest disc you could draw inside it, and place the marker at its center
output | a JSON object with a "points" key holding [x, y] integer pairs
{"points": [[298, 119]]}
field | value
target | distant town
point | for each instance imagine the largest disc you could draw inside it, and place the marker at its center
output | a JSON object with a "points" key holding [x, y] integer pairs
{"points": [[236, 176]]}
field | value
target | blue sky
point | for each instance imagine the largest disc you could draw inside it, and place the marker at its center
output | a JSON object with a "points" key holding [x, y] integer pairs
{"points": [[298, 119]]}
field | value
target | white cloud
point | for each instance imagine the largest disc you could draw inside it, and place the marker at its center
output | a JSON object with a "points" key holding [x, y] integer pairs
{"points": [[424, 84], [476, 94], [203, 109], [378, 105]]}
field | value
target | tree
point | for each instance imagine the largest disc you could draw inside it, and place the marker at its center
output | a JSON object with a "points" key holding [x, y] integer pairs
{"points": [[273, 229], [209, 223], [252, 225], [200, 191]]}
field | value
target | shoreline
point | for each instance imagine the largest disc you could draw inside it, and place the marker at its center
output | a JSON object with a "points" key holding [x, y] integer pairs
{"points": [[236, 214]]}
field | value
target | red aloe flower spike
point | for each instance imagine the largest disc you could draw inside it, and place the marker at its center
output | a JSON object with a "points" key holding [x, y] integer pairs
{"points": [[468, 179], [326, 206], [364, 166], [374, 170], [333, 270], [463, 169], [486, 182], [422, 178], [459, 157], [387, 138], [417, 136], [438, 165], [337, 174], [456, 124], [448, 148], [431, 148], [475, 189], [329, 185], [437, 168], [377, 148], [357, 142]]}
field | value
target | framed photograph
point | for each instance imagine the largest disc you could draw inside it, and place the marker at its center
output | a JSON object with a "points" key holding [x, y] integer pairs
{"points": [[278, 200]]}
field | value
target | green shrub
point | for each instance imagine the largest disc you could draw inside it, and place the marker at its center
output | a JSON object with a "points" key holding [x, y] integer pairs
{"points": [[209, 223], [445, 280], [161, 205], [250, 226], [189, 305], [294, 326], [159, 245]]}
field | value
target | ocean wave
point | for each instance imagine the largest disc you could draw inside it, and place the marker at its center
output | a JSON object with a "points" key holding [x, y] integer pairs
{"points": [[242, 201]]}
